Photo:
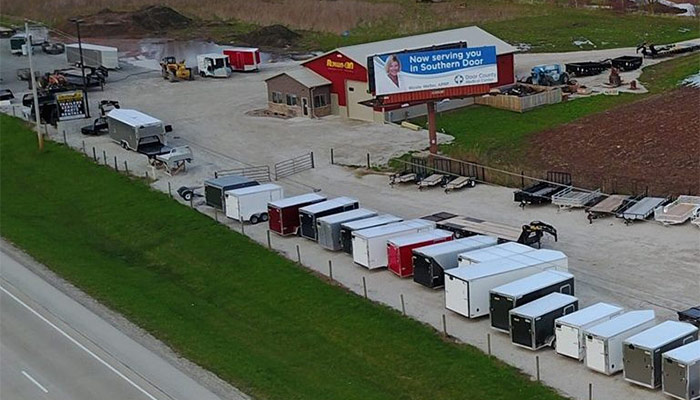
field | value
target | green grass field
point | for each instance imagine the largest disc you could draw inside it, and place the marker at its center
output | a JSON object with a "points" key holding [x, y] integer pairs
{"points": [[255, 319], [497, 137]]}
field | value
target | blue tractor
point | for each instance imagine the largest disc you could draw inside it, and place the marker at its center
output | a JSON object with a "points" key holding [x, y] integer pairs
{"points": [[548, 75]]}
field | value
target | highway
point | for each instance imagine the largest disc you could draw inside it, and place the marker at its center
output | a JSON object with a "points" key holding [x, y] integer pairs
{"points": [[52, 347]]}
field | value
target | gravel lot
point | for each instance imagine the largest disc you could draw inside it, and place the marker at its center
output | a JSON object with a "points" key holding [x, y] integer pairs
{"points": [[644, 265]]}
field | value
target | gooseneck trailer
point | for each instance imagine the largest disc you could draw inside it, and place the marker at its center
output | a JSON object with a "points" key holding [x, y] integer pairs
{"points": [[528, 234], [532, 324], [569, 328], [400, 249], [309, 214], [369, 245], [328, 227], [284, 213], [430, 262], [249, 204], [642, 352], [347, 228], [522, 291], [604, 341], [681, 372]]}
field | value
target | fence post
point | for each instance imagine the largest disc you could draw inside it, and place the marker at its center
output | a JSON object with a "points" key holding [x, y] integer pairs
{"points": [[298, 255], [83, 147], [403, 305], [170, 190], [444, 324], [65, 141], [94, 154], [192, 202], [590, 391], [116, 167], [330, 269], [216, 212], [269, 242], [332, 160], [368, 164], [126, 167], [537, 366], [488, 343], [46, 130], [242, 226], [312, 160], [104, 156], [364, 286]]}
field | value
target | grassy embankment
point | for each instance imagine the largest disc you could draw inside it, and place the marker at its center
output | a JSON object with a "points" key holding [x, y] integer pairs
{"points": [[497, 137], [254, 318]]}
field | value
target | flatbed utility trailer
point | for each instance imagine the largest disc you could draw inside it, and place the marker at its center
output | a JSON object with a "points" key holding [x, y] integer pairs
{"points": [[608, 206], [438, 216], [587, 68], [432, 180], [679, 211], [626, 63], [174, 161], [460, 182], [542, 192], [575, 198], [642, 209], [528, 234], [403, 177]]}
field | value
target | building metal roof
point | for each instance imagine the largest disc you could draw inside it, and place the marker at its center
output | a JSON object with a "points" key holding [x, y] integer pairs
{"points": [[472, 35], [305, 76]]}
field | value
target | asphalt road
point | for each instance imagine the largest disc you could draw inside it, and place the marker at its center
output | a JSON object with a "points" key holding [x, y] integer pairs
{"points": [[52, 347]]}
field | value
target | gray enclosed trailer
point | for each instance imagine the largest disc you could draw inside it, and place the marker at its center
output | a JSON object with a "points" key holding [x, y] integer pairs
{"points": [[347, 228], [328, 228], [532, 324], [137, 131], [430, 262], [506, 297], [681, 372], [309, 214], [641, 353]]}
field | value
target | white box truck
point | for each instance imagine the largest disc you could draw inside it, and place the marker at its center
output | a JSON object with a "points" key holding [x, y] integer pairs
{"points": [[467, 287], [369, 245], [249, 204], [213, 65], [681, 372], [604, 341], [94, 56], [569, 329]]}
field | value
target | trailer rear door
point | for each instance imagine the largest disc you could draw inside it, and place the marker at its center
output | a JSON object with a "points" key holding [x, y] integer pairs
{"points": [[596, 357], [637, 365]]}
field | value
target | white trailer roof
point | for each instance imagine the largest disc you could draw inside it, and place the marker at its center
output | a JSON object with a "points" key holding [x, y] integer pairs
{"points": [[249, 49], [457, 245], [420, 237], [545, 255], [132, 117], [496, 252], [371, 222], [88, 46], [589, 314], [296, 200], [347, 215], [686, 354], [661, 334], [378, 231], [253, 189], [544, 305], [531, 283], [213, 55], [327, 205], [488, 268], [621, 323]]}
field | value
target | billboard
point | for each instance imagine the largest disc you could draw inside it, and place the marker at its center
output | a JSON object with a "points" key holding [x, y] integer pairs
{"points": [[433, 69], [71, 105]]}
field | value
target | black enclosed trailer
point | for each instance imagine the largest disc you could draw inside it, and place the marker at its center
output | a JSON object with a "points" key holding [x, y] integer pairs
{"points": [[532, 324], [506, 297], [215, 189], [542, 192], [347, 228], [430, 262], [309, 214]]}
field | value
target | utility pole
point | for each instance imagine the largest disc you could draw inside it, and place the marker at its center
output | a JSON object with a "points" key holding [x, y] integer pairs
{"points": [[82, 65], [432, 128], [32, 76]]}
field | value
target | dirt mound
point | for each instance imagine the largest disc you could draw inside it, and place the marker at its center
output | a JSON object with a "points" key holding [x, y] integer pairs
{"points": [[137, 23], [272, 36], [650, 144]]}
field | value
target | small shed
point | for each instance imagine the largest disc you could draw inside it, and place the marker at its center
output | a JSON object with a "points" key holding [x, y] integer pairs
{"points": [[299, 93]]}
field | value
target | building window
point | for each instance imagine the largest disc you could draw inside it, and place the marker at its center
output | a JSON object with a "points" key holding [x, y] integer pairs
{"points": [[277, 97], [291, 100], [320, 101]]}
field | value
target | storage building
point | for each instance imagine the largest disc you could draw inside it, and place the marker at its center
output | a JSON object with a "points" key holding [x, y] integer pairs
{"points": [[299, 93]]}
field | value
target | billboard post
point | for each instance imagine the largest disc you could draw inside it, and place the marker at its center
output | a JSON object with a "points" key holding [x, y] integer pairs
{"points": [[432, 129]]}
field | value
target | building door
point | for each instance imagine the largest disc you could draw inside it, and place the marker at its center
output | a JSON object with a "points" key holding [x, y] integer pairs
{"points": [[355, 93], [305, 106]]}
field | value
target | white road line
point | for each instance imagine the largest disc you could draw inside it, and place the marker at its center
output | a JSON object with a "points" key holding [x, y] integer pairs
{"points": [[32, 380], [95, 356]]}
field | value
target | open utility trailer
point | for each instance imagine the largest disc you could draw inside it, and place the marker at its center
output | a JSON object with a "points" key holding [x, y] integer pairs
{"points": [[641, 209], [528, 234], [611, 205], [587, 68], [542, 192], [626, 63], [571, 197], [679, 211]]}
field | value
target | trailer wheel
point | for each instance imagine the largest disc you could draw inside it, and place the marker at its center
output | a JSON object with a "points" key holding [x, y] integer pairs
{"points": [[254, 219], [125, 146], [187, 195], [264, 217], [472, 183], [202, 74]]}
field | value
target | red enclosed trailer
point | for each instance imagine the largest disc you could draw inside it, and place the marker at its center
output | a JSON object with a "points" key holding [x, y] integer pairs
{"points": [[243, 58], [284, 213], [400, 249]]}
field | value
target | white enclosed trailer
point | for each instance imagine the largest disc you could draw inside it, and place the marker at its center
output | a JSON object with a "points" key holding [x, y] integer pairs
{"points": [[369, 245], [328, 228], [641, 353], [250, 203], [347, 228], [569, 328], [467, 287], [604, 341], [94, 55], [493, 253], [681, 372]]}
